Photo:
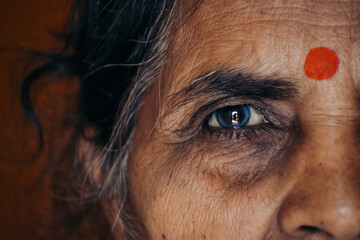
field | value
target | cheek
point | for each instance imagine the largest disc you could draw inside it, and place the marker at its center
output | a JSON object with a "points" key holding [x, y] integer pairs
{"points": [[185, 199]]}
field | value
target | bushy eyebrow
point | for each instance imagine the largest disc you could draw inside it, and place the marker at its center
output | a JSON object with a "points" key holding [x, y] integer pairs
{"points": [[234, 83]]}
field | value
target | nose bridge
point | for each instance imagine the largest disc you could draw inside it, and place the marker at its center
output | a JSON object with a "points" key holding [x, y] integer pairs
{"points": [[335, 134], [326, 194], [331, 143], [332, 165]]}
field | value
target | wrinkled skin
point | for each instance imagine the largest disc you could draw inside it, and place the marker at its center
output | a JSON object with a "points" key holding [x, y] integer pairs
{"points": [[305, 182]]}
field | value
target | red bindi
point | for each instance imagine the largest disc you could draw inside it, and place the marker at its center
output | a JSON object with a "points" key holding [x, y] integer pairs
{"points": [[321, 63]]}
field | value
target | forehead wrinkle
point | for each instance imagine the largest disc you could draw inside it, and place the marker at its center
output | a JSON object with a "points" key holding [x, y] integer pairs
{"points": [[354, 51], [355, 46], [355, 19], [207, 16], [219, 36], [312, 12], [306, 13]]}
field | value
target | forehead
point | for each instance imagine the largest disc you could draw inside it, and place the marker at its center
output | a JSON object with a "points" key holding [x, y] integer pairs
{"points": [[264, 37]]}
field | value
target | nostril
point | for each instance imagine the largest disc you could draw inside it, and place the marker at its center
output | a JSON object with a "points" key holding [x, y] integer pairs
{"points": [[309, 229]]}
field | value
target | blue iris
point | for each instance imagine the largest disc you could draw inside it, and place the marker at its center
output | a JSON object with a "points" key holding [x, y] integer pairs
{"points": [[233, 116]]}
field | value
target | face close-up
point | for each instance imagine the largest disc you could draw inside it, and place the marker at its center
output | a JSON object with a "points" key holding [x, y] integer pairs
{"points": [[252, 131]]}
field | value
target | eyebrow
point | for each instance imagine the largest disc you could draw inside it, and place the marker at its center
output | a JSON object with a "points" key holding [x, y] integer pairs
{"points": [[235, 83]]}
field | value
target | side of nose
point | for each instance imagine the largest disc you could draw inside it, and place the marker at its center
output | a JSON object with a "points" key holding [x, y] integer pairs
{"points": [[324, 200]]}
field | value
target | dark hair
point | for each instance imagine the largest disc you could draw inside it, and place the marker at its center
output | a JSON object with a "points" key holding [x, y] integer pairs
{"points": [[105, 42], [114, 49]]}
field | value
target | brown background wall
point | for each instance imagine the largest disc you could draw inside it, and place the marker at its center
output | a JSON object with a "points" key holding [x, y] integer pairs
{"points": [[23, 202]]}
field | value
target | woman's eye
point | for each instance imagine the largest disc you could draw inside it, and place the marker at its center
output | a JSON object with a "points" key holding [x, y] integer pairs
{"points": [[234, 117]]}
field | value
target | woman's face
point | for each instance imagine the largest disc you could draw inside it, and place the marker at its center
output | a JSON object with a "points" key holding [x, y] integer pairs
{"points": [[238, 140]]}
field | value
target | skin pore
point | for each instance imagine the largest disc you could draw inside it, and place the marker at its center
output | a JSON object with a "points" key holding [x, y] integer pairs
{"points": [[291, 174]]}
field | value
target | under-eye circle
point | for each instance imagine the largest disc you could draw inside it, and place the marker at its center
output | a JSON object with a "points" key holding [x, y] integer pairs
{"points": [[234, 117]]}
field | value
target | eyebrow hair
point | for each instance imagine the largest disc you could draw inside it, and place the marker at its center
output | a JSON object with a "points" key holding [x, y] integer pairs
{"points": [[235, 83]]}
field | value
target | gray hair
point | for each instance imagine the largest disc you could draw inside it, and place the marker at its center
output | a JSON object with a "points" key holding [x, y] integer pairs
{"points": [[113, 158]]}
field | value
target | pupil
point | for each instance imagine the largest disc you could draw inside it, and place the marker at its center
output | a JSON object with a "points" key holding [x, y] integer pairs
{"points": [[234, 116]]}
